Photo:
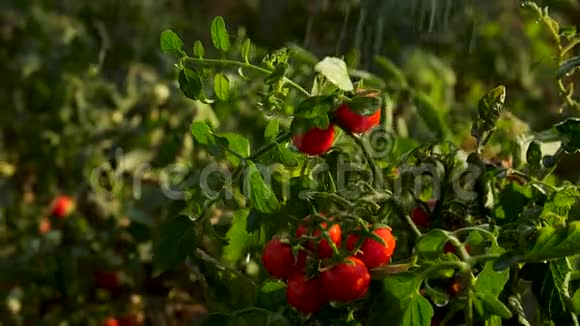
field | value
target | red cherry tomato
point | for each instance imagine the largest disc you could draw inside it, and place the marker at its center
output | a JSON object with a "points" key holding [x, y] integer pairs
{"points": [[279, 260], [455, 288], [354, 122], [373, 253], [315, 141], [110, 322], [44, 226], [108, 280], [131, 320], [346, 281], [306, 295], [420, 217], [324, 250], [62, 206]]}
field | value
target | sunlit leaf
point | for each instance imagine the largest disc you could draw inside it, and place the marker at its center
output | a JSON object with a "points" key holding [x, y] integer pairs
{"points": [[171, 43], [221, 86], [245, 50], [272, 129], [238, 237], [198, 49], [334, 69], [219, 34], [258, 192], [489, 109]]}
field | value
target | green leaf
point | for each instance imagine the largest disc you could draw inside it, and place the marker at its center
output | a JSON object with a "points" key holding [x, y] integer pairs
{"points": [[511, 201], [204, 135], [490, 280], [492, 306], [221, 86], [431, 243], [258, 192], [237, 144], [417, 311], [175, 242], [334, 69], [534, 154], [312, 112], [285, 156], [576, 301], [278, 74], [553, 242], [429, 113], [238, 238], [547, 280], [272, 295], [569, 130], [567, 67], [560, 203], [190, 83], [171, 43], [414, 309], [219, 34], [489, 109], [272, 129], [198, 49], [201, 132], [493, 321], [245, 50]]}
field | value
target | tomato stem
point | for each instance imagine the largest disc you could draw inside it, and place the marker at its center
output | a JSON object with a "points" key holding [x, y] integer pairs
{"points": [[217, 62], [377, 180]]}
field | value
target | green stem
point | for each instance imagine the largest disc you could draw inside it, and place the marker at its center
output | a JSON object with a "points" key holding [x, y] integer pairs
{"points": [[217, 62], [407, 217], [456, 265], [363, 146], [283, 137], [469, 309], [570, 46], [482, 258], [260, 152], [332, 196], [490, 236], [463, 254]]}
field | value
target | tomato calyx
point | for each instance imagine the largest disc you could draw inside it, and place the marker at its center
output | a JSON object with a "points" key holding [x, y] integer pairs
{"points": [[320, 235], [365, 105], [375, 249]]}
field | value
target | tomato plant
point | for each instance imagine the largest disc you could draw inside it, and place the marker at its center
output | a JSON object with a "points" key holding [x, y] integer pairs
{"points": [[464, 250]]}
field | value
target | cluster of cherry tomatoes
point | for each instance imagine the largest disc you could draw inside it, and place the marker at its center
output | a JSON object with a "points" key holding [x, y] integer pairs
{"points": [[340, 277], [317, 141]]}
